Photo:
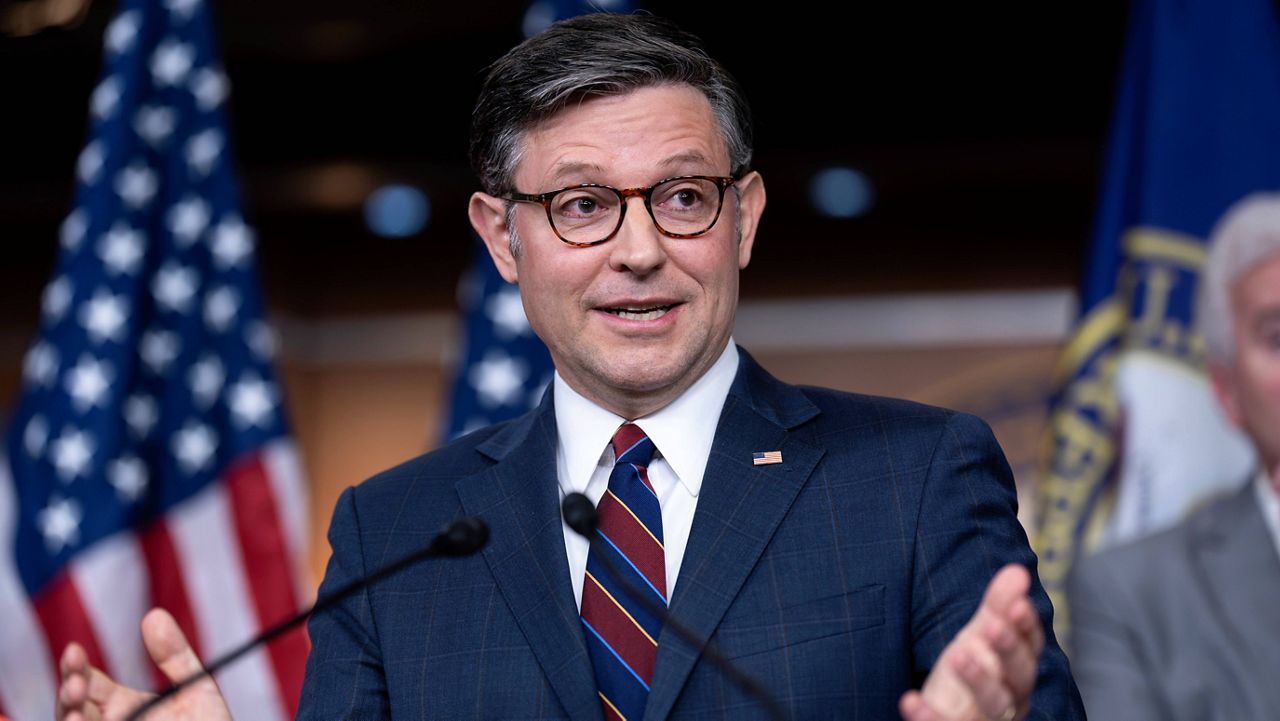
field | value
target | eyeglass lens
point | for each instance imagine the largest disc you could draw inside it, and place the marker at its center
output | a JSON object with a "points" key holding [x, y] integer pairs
{"points": [[683, 206]]}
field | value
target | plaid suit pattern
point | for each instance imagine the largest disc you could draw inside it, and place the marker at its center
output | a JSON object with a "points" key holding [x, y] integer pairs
{"points": [[836, 577]]}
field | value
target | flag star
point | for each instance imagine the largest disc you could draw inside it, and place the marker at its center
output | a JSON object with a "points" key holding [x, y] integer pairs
{"points": [[203, 150], [89, 164], [207, 378], [71, 234], [71, 453], [174, 287], [507, 314], [41, 364], [171, 62], [122, 31], [56, 299], [252, 402], [158, 348], [141, 414], [498, 379], [154, 124], [105, 98], [121, 249], [128, 475], [59, 523], [182, 9], [232, 243], [88, 383], [210, 88], [262, 341], [194, 446], [136, 185], [35, 435], [220, 308], [188, 218], [104, 316]]}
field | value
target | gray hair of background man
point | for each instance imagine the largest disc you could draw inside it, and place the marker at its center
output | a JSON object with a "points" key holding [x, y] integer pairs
{"points": [[1248, 234], [594, 55]]}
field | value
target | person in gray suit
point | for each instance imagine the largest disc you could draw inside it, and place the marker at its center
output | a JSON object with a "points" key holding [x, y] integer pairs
{"points": [[1183, 624]]}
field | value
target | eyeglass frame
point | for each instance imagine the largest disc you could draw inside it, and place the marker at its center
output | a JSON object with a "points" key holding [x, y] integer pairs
{"points": [[723, 183]]}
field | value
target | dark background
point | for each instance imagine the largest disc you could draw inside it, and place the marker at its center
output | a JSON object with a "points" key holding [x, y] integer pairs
{"points": [[982, 131]]}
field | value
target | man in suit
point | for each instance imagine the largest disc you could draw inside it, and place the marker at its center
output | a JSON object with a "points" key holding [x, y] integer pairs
{"points": [[1183, 624], [836, 547]]}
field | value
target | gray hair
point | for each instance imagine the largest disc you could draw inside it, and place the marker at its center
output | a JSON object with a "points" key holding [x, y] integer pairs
{"points": [[1248, 234], [595, 55]]}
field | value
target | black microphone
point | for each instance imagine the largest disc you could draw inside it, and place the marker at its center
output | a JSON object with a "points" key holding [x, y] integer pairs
{"points": [[463, 537], [581, 516]]}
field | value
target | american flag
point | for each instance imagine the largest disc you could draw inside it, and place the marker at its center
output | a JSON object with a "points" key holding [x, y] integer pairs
{"points": [[148, 461]]}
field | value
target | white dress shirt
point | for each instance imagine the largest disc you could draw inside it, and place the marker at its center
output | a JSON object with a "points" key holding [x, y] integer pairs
{"points": [[681, 432]]}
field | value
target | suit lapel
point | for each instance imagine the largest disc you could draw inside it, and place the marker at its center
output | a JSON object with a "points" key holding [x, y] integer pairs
{"points": [[1236, 559], [519, 498], [739, 508]]}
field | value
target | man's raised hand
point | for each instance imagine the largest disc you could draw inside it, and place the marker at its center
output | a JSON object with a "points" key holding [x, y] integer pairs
{"points": [[88, 694], [988, 671]]}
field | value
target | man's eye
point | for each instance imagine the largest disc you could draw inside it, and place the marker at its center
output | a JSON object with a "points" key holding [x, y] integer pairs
{"points": [[578, 206], [682, 198]]}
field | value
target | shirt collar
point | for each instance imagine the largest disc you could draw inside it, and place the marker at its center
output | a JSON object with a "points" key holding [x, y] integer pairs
{"points": [[682, 431]]}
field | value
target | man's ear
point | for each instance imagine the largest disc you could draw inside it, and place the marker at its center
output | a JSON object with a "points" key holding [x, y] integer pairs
{"points": [[751, 199], [489, 219], [1222, 380]]}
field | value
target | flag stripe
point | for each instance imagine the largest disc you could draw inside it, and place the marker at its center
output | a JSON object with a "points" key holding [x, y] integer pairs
{"points": [[284, 471], [63, 618], [167, 589], [111, 581], [202, 529], [262, 545], [26, 684]]}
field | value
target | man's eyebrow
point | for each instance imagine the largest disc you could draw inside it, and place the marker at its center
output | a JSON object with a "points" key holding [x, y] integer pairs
{"points": [[1267, 316], [689, 157], [564, 170]]}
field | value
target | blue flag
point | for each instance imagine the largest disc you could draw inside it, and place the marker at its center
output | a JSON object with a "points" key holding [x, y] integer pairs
{"points": [[1136, 438]]}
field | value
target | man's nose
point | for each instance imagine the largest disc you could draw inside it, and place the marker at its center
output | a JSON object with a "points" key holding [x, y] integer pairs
{"points": [[638, 246]]}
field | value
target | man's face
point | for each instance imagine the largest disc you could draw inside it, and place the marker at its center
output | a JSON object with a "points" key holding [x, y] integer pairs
{"points": [[1249, 387], [633, 322]]}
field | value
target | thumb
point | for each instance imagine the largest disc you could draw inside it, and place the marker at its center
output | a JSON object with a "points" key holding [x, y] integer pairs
{"points": [[168, 646]]}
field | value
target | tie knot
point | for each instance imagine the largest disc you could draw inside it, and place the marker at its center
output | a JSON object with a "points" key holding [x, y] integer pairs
{"points": [[632, 445]]}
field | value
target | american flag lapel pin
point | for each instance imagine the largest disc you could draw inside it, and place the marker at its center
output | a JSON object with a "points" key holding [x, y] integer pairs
{"points": [[766, 458]]}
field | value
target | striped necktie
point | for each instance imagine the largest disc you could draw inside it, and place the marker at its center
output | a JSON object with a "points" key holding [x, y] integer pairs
{"points": [[622, 638]]}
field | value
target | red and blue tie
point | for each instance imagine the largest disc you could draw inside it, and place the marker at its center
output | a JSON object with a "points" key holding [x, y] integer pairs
{"points": [[622, 638]]}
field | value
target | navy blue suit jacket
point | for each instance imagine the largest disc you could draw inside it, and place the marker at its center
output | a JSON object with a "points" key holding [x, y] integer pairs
{"points": [[835, 577]]}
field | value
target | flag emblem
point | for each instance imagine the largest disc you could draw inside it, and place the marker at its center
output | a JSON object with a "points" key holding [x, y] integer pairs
{"points": [[766, 458]]}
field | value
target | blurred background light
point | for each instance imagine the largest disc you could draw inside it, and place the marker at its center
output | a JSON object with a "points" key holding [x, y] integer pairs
{"points": [[397, 211], [841, 193]]}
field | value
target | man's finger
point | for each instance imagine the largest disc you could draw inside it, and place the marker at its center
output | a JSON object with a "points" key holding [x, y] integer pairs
{"points": [[168, 646], [1009, 584], [913, 708], [986, 684]]}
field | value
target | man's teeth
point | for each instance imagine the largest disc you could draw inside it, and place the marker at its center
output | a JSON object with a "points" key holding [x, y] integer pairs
{"points": [[640, 313]]}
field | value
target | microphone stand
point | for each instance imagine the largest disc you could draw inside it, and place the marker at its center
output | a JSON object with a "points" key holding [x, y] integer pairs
{"points": [[463, 537]]}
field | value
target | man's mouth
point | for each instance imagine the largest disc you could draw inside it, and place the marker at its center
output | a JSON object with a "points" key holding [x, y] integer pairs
{"points": [[640, 313]]}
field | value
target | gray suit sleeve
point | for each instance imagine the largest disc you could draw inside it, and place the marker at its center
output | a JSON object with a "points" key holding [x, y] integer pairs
{"points": [[1108, 660]]}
